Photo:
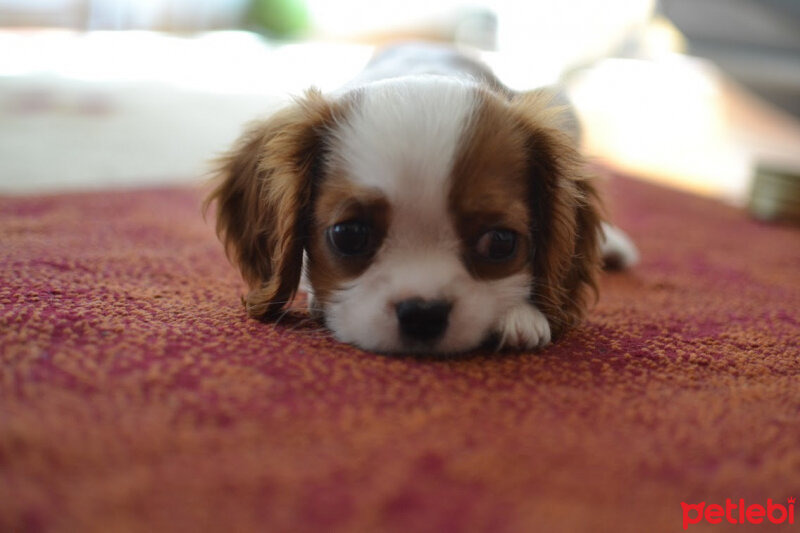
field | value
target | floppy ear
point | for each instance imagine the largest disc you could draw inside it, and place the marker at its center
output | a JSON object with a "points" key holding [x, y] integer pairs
{"points": [[262, 199], [566, 214]]}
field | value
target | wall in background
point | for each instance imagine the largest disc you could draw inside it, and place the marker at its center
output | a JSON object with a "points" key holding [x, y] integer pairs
{"points": [[757, 42]]}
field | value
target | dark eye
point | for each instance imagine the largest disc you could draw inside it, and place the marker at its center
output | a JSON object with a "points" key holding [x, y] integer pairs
{"points": [[497, 245], [350, 238]]}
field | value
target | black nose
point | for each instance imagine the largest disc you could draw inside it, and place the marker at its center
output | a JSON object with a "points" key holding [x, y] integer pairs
{"points": [[422, 320]]}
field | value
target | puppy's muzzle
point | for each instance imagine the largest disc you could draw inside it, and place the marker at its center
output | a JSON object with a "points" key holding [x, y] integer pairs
{"points": [[422, 320]]}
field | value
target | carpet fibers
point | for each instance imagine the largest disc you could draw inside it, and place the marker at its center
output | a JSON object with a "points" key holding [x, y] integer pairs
{"points": [[135, 395]]}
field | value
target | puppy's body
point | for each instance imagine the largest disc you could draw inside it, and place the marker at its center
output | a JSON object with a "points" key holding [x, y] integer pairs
{"points": [[424, 59], [430, 60], [436, 208]]}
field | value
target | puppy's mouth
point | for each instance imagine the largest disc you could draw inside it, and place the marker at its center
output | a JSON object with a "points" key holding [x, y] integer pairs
{"points": [[416, 347]]}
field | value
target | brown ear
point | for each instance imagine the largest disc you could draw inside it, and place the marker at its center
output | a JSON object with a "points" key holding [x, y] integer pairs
{"points": [[566, 214], [262, 199]]}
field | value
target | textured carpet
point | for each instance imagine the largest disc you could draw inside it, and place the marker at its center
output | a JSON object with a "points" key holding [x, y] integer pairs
{"points": [[135, 396]]}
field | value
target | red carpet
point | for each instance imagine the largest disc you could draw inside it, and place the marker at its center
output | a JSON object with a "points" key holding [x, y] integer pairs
{"points": [[135, 396]]}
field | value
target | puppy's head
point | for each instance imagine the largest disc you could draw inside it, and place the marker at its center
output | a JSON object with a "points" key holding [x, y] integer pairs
{"points": [[428, 210]]}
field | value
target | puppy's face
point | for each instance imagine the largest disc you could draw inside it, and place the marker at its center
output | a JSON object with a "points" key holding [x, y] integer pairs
{"points": [[433, 214]]}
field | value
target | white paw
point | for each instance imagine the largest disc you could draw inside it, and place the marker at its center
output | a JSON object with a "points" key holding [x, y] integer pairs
{"points": [[617, 248], [523, 327]]}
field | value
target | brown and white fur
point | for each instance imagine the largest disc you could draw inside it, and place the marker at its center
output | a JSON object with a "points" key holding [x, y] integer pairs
{"points": [[471, 212]]}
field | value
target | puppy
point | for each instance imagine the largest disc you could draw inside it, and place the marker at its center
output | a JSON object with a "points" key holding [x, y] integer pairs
{"points": [[435, 209]]}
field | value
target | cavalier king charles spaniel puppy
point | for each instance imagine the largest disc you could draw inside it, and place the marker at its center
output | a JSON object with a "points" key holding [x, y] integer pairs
{"points": [[431, 208]]}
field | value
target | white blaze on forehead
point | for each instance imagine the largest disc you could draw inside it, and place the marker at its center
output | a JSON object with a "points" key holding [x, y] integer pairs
{"points": [[402, 137]]}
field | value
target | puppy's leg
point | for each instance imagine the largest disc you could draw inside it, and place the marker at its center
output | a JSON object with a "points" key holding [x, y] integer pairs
{"points": [[523, 327], [618, 250]]}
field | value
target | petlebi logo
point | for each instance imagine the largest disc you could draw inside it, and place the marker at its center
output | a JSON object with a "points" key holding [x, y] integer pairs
{"points": [[739, 512]]}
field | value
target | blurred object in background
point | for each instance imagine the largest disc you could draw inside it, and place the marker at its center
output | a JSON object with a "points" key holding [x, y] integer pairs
{"points": [[280, 18], [775, 195]]}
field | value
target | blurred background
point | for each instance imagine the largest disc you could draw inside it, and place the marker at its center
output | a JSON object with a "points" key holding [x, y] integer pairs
{"points": [[699, 94]]}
